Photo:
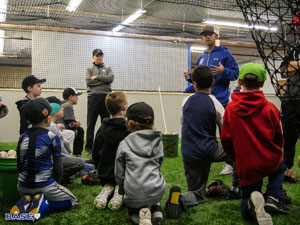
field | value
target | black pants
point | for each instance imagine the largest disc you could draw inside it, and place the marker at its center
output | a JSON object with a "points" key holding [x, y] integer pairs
{"points": [[78, 141], [96, 106], [291, 129]]}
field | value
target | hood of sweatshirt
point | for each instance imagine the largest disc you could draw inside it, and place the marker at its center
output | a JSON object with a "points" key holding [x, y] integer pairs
{"points": [[113, 128], [145, 143], [245, 104]]}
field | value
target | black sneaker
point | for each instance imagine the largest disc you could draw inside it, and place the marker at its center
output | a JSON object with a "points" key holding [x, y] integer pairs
{"points": [[256, 204], [276, 205], [234, 195], [173, 209], [156, 215]]}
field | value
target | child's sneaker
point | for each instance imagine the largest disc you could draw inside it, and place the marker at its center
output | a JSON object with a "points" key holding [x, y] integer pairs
{"points": [[22, 205], [145, 216], [101, 199], [276, 205], [228, 170], [156, 215], [39, 206], [173, 208], [116, 201], [256, 203]]}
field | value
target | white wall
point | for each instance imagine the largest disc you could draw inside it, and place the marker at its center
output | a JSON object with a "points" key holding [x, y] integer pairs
{"points": [[9, 125]]}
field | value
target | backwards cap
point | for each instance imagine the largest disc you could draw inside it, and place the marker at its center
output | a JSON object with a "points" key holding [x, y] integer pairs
{"points": [[253, 68]]}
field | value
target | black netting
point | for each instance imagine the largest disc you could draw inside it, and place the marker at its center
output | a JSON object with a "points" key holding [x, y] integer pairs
{"points": [[162, 17], [279, 50]]}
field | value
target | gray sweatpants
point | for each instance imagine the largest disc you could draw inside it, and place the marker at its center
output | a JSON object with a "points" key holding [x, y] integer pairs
{"points": [[53, 192], [197, 173]]}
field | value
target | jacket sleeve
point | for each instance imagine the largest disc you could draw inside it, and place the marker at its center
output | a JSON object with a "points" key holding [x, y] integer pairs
{"points": [[108, 77], [57, 161], [120, 166], [226, 136], [231, 68], [89, 81], [98, 144]]}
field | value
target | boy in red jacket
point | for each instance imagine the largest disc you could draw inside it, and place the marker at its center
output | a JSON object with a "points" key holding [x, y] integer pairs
{"points": [[252, 137]]}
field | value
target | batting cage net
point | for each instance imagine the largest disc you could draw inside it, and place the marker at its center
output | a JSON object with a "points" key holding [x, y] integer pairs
{"points": [[279, 50], [47, 38]]}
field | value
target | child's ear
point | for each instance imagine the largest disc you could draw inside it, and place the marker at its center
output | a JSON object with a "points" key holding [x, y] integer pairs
{"points": [[240, 82], [262, 84], [212, 83], [124, 108]]}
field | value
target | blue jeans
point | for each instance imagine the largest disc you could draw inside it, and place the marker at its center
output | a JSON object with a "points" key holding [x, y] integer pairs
{"points": [[274, 187]]}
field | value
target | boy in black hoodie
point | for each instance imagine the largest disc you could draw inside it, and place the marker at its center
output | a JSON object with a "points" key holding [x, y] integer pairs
{"points": [[112, 131]]}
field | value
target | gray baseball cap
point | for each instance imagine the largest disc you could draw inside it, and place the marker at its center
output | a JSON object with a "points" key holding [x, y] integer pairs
{"points": [[208, 30]]}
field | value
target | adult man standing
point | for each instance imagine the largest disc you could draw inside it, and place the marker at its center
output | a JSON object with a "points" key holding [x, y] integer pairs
{"points": [[290, 101], [224, 68], [221, 62], [98, 79]]}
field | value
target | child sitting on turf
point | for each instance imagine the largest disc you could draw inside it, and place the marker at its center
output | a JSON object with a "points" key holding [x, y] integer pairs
{"points": [[137, 168], [71, 165], [201, 113], [32, 86], [39, 165], [71, 97], [252, 137], [3, 108], [112, 131]]}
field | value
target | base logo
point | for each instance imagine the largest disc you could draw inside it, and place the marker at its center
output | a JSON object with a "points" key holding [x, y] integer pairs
{"points": [[22, 216]]}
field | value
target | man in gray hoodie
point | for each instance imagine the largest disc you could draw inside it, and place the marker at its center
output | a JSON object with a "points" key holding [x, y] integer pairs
{"points": [[98, 79]]}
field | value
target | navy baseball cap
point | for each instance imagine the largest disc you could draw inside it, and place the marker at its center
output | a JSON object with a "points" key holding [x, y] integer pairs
{"points": [[30, 81]]}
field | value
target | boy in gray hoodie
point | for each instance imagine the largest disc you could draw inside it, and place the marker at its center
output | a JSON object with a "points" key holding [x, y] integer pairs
{"points": [[137, 167]]}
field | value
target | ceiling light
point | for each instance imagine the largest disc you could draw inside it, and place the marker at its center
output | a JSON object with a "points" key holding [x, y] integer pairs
{"points": [[73, 5], [232, 24], [3, 11], [117, 28], [2, 33], [129, 19]]}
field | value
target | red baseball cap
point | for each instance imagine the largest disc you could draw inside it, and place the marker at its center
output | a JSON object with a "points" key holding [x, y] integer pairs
{"points": [[296, 19]]}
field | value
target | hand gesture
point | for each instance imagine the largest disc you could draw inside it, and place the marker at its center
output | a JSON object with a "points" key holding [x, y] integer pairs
{"points": [[187, 74], [61, 126], [217, 69], [94, 77]]}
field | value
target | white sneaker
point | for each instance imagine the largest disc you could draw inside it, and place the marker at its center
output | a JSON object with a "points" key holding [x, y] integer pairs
{"points": [[116, 201], [101, 199], [228, 170], [257, 203], [145, 216]]}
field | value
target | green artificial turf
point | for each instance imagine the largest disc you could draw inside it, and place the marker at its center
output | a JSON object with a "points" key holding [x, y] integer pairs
{"points": [[213, 211]]}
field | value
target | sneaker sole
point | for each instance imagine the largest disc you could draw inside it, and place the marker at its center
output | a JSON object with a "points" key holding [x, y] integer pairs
{"points": [[272, 209], [99, 205], [258, 202], [114, 207]]}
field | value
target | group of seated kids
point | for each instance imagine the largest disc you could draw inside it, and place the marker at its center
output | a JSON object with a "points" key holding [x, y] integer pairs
{"points": [[128, 152]]}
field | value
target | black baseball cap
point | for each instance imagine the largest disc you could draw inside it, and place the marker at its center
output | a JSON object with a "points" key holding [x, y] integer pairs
{"points": [[140, 112], [30, 81], [70, 92], [53, 99], [37, 110], [97, 51]]}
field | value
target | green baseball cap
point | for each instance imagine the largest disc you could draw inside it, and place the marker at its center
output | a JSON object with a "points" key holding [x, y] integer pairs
{"points": [[253, 68], [55, 108]]}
